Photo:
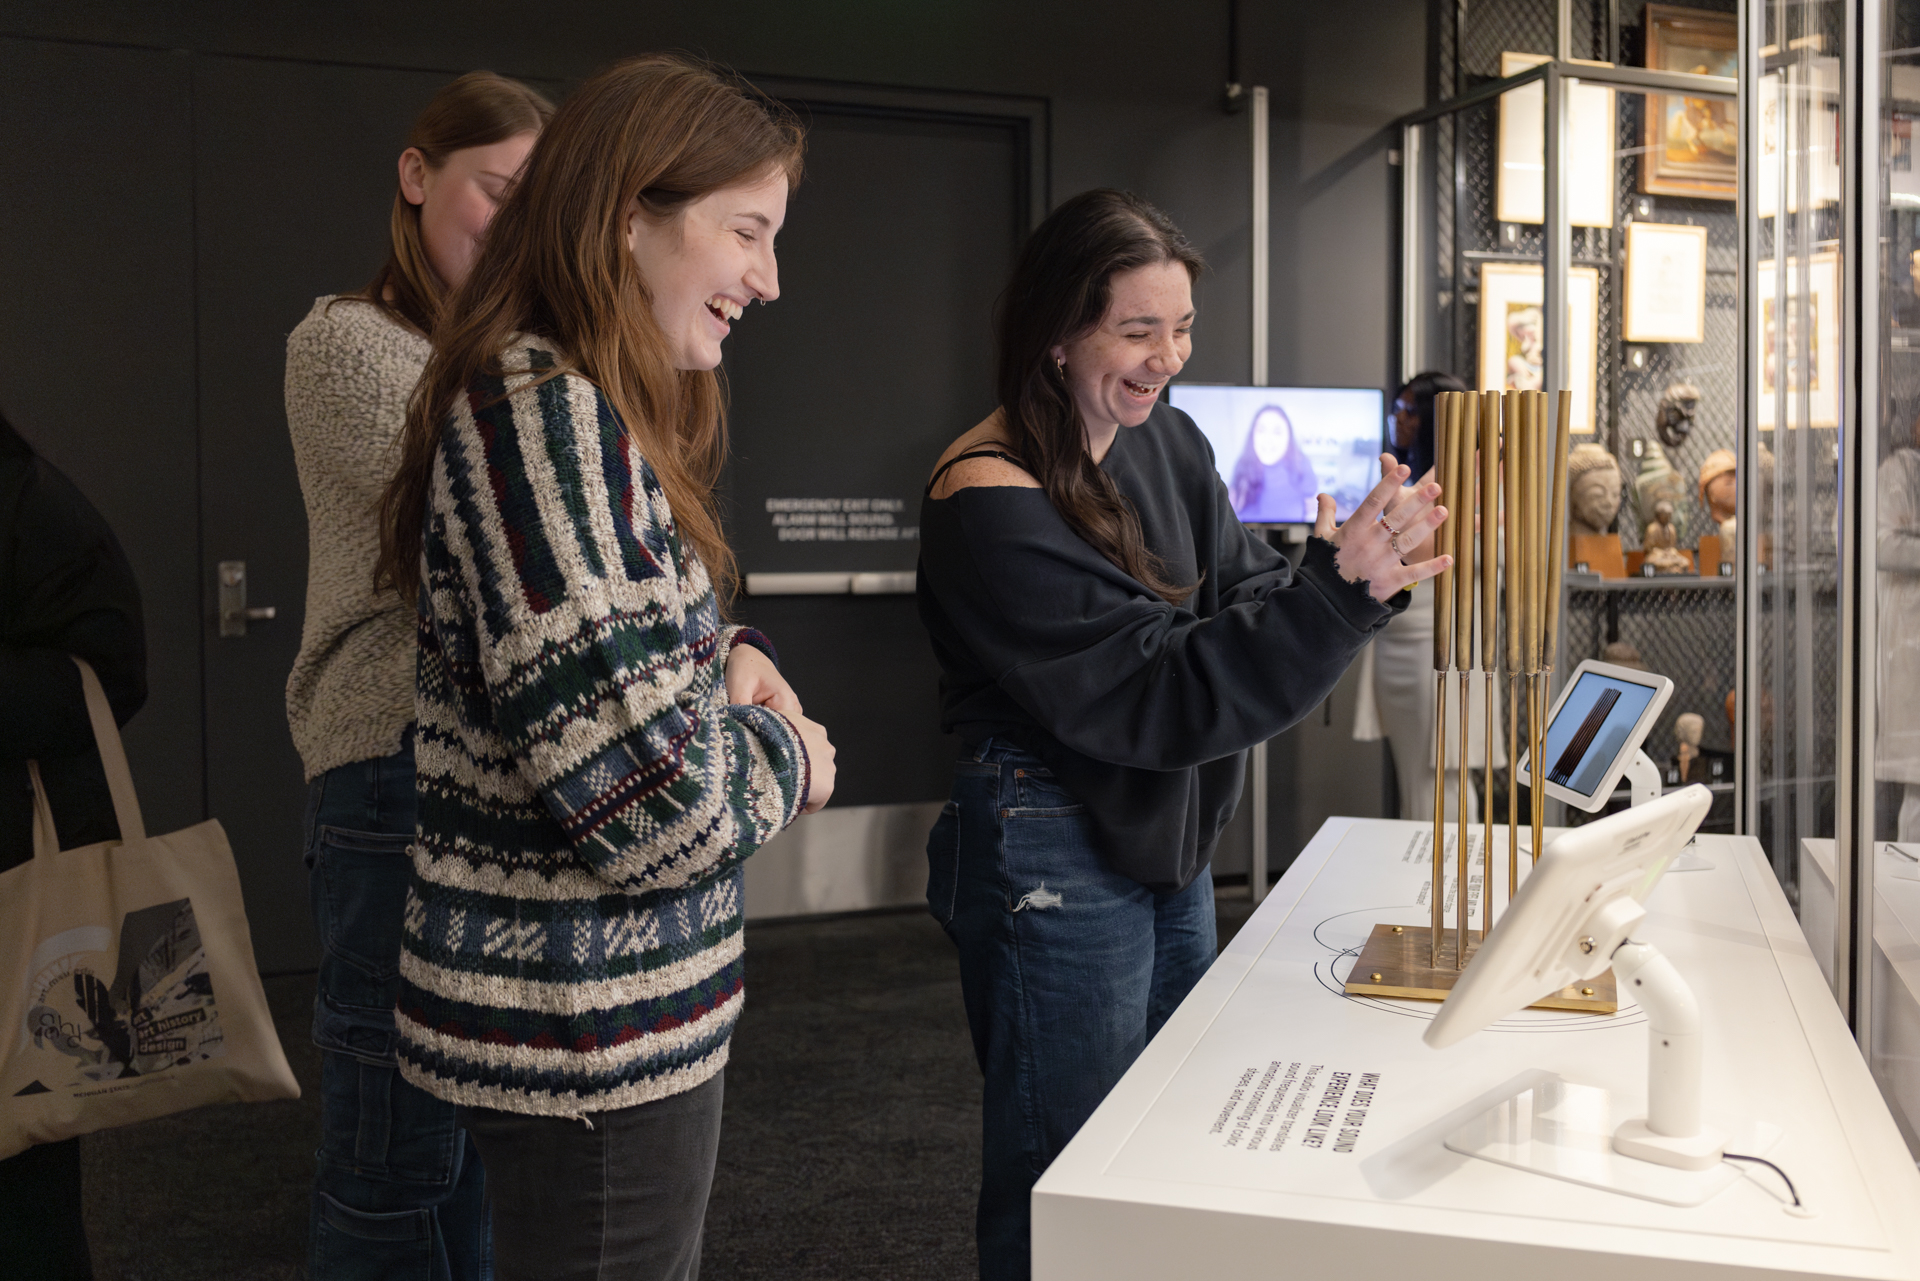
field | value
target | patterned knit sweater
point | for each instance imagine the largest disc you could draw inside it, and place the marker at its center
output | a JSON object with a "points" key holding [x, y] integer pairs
{"points": [[350, 370], [587, 795]]}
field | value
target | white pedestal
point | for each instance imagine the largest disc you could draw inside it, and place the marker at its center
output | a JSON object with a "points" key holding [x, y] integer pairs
{"points": [[1277, 1127]]}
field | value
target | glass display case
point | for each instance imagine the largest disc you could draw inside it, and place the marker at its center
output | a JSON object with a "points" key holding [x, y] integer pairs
{"points": [[1886, 893], [1704, 221], [1556, 180]]}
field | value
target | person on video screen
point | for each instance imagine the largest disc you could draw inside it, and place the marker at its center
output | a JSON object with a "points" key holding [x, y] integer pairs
{"points": [[1273, 479]]}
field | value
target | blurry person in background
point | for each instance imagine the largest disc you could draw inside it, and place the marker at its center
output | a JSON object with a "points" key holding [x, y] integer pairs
{"points": [[1396, 675], [66, 591], [398, 1192], [1897, 749]]}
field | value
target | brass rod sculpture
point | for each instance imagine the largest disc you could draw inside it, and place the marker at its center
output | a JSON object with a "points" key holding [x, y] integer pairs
{"points": [[1489, 633], [1556, 544], [1521, 451], [1530, 583], [1536, 682], [1511, 477], [1445, 423], [1466, 437], [1557, 529]]}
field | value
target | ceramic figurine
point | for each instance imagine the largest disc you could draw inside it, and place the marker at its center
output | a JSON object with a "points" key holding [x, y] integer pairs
{"points": [[1658, 482], [1659, 541], [1688, 728], [1674, 419], [1623, 653], [1593, 489], [1719, 487]]}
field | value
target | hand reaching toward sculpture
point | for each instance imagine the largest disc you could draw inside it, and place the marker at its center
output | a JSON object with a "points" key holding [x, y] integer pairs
{"points": [[1369, 549]]}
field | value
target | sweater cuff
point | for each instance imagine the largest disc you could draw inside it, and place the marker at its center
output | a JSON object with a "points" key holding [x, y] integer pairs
{"points": [[747, 636], [1352, 601], [806, 768]]}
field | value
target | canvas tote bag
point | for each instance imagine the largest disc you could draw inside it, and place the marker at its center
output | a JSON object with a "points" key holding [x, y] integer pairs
{"points": [[127, 983]]}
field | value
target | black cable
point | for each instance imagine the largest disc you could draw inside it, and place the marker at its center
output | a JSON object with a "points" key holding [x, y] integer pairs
{"points": [[1760, 1160]]}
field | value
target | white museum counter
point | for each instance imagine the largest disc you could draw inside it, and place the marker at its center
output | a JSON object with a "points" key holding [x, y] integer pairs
{"points": [[1278, 1127]]}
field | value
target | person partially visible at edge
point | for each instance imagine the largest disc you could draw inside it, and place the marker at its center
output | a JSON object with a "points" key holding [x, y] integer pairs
{"points": [[599, 750], [1398, 667], [1410, 417], [398, 1190], [65, 590], [1111, 641]]}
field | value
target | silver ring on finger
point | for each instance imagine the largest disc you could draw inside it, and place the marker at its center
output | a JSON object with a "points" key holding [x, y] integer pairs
{"points": [[1394, 543]]}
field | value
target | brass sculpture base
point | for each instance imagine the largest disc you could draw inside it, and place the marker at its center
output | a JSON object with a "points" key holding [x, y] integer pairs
{"points": [[1394, 963]]}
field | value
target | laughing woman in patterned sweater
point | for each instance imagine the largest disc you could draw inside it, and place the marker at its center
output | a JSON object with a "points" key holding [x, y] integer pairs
{"points": [[598, 753]]}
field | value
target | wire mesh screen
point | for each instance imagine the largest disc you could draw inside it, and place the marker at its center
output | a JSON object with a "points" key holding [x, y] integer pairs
{"points": [[1682, 627], [1679, 633]]}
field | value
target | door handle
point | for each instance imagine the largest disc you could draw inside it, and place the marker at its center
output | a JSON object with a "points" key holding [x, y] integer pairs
{"points": [[234, 611]]}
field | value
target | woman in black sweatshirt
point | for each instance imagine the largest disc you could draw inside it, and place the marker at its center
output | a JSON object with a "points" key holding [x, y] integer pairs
{"points": [[1112, 641]]}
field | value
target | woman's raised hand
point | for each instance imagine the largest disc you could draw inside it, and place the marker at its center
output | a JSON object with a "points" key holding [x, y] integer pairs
{"points": [[1367, 549]]}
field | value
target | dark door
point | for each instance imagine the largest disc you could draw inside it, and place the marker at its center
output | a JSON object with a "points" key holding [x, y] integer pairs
{"points": [[877, 354], [96, 345], [293, 181]]}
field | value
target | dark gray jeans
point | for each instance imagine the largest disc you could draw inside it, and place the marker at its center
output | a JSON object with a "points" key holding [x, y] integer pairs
{"points": [[622, 1201]]}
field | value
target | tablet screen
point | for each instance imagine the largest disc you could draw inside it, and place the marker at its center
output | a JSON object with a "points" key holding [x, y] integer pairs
{"points": [[1591, 728]]}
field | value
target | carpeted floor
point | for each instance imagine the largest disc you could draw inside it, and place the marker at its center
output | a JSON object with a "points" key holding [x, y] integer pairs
{"points": [[849, 1149]]}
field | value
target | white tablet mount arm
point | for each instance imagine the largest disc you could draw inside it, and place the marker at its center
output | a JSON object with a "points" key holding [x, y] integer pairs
{"points": [[1643, 777], [1671, 1133]]}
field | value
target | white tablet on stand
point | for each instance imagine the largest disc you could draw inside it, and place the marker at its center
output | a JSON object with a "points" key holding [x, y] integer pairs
{"points": [[1594, 732]]}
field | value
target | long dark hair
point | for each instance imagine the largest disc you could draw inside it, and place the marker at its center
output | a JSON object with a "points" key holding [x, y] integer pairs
{"points": [[477, 110], [665, 130], [1060, 290]]}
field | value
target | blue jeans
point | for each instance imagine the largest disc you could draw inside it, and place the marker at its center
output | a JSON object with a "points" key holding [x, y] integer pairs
{"points": [[1067, 970], [399, 1192]]}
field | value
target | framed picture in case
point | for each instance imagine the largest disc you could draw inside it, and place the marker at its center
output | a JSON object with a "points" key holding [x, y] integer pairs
{"points": [[1666, 283], [1690, 145], [1513, 345], [1781, 341]]}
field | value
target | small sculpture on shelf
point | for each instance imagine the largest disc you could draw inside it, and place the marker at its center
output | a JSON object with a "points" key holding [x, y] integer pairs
{"points": [[1687, 729], [1657, 482], [1593, 501], [1660, 542], [1594, 488], [1623, 653], [1674, 419], [1719, 491]]}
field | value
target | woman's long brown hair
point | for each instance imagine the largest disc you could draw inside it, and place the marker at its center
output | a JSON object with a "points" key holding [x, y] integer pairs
{"points": [[1060, 290], [663, 130], [477, 110]]}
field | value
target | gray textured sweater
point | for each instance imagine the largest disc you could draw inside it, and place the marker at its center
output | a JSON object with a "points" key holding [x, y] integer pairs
{"points": [[350, 371]]}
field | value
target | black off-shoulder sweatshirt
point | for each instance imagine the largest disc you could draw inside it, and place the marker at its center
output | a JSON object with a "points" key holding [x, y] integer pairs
{"points": [[1143, 711]]}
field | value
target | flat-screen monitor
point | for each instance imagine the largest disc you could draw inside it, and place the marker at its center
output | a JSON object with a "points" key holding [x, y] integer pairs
{"points": [[1595, 727], [1277, 448]]}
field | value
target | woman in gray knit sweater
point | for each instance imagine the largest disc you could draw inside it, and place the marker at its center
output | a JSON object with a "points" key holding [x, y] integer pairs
{"points": [[399, 1190]]}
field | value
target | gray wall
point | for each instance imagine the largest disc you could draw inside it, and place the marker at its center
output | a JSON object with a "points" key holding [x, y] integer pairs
{"points": [[1133, 90], [1339, 74]]}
